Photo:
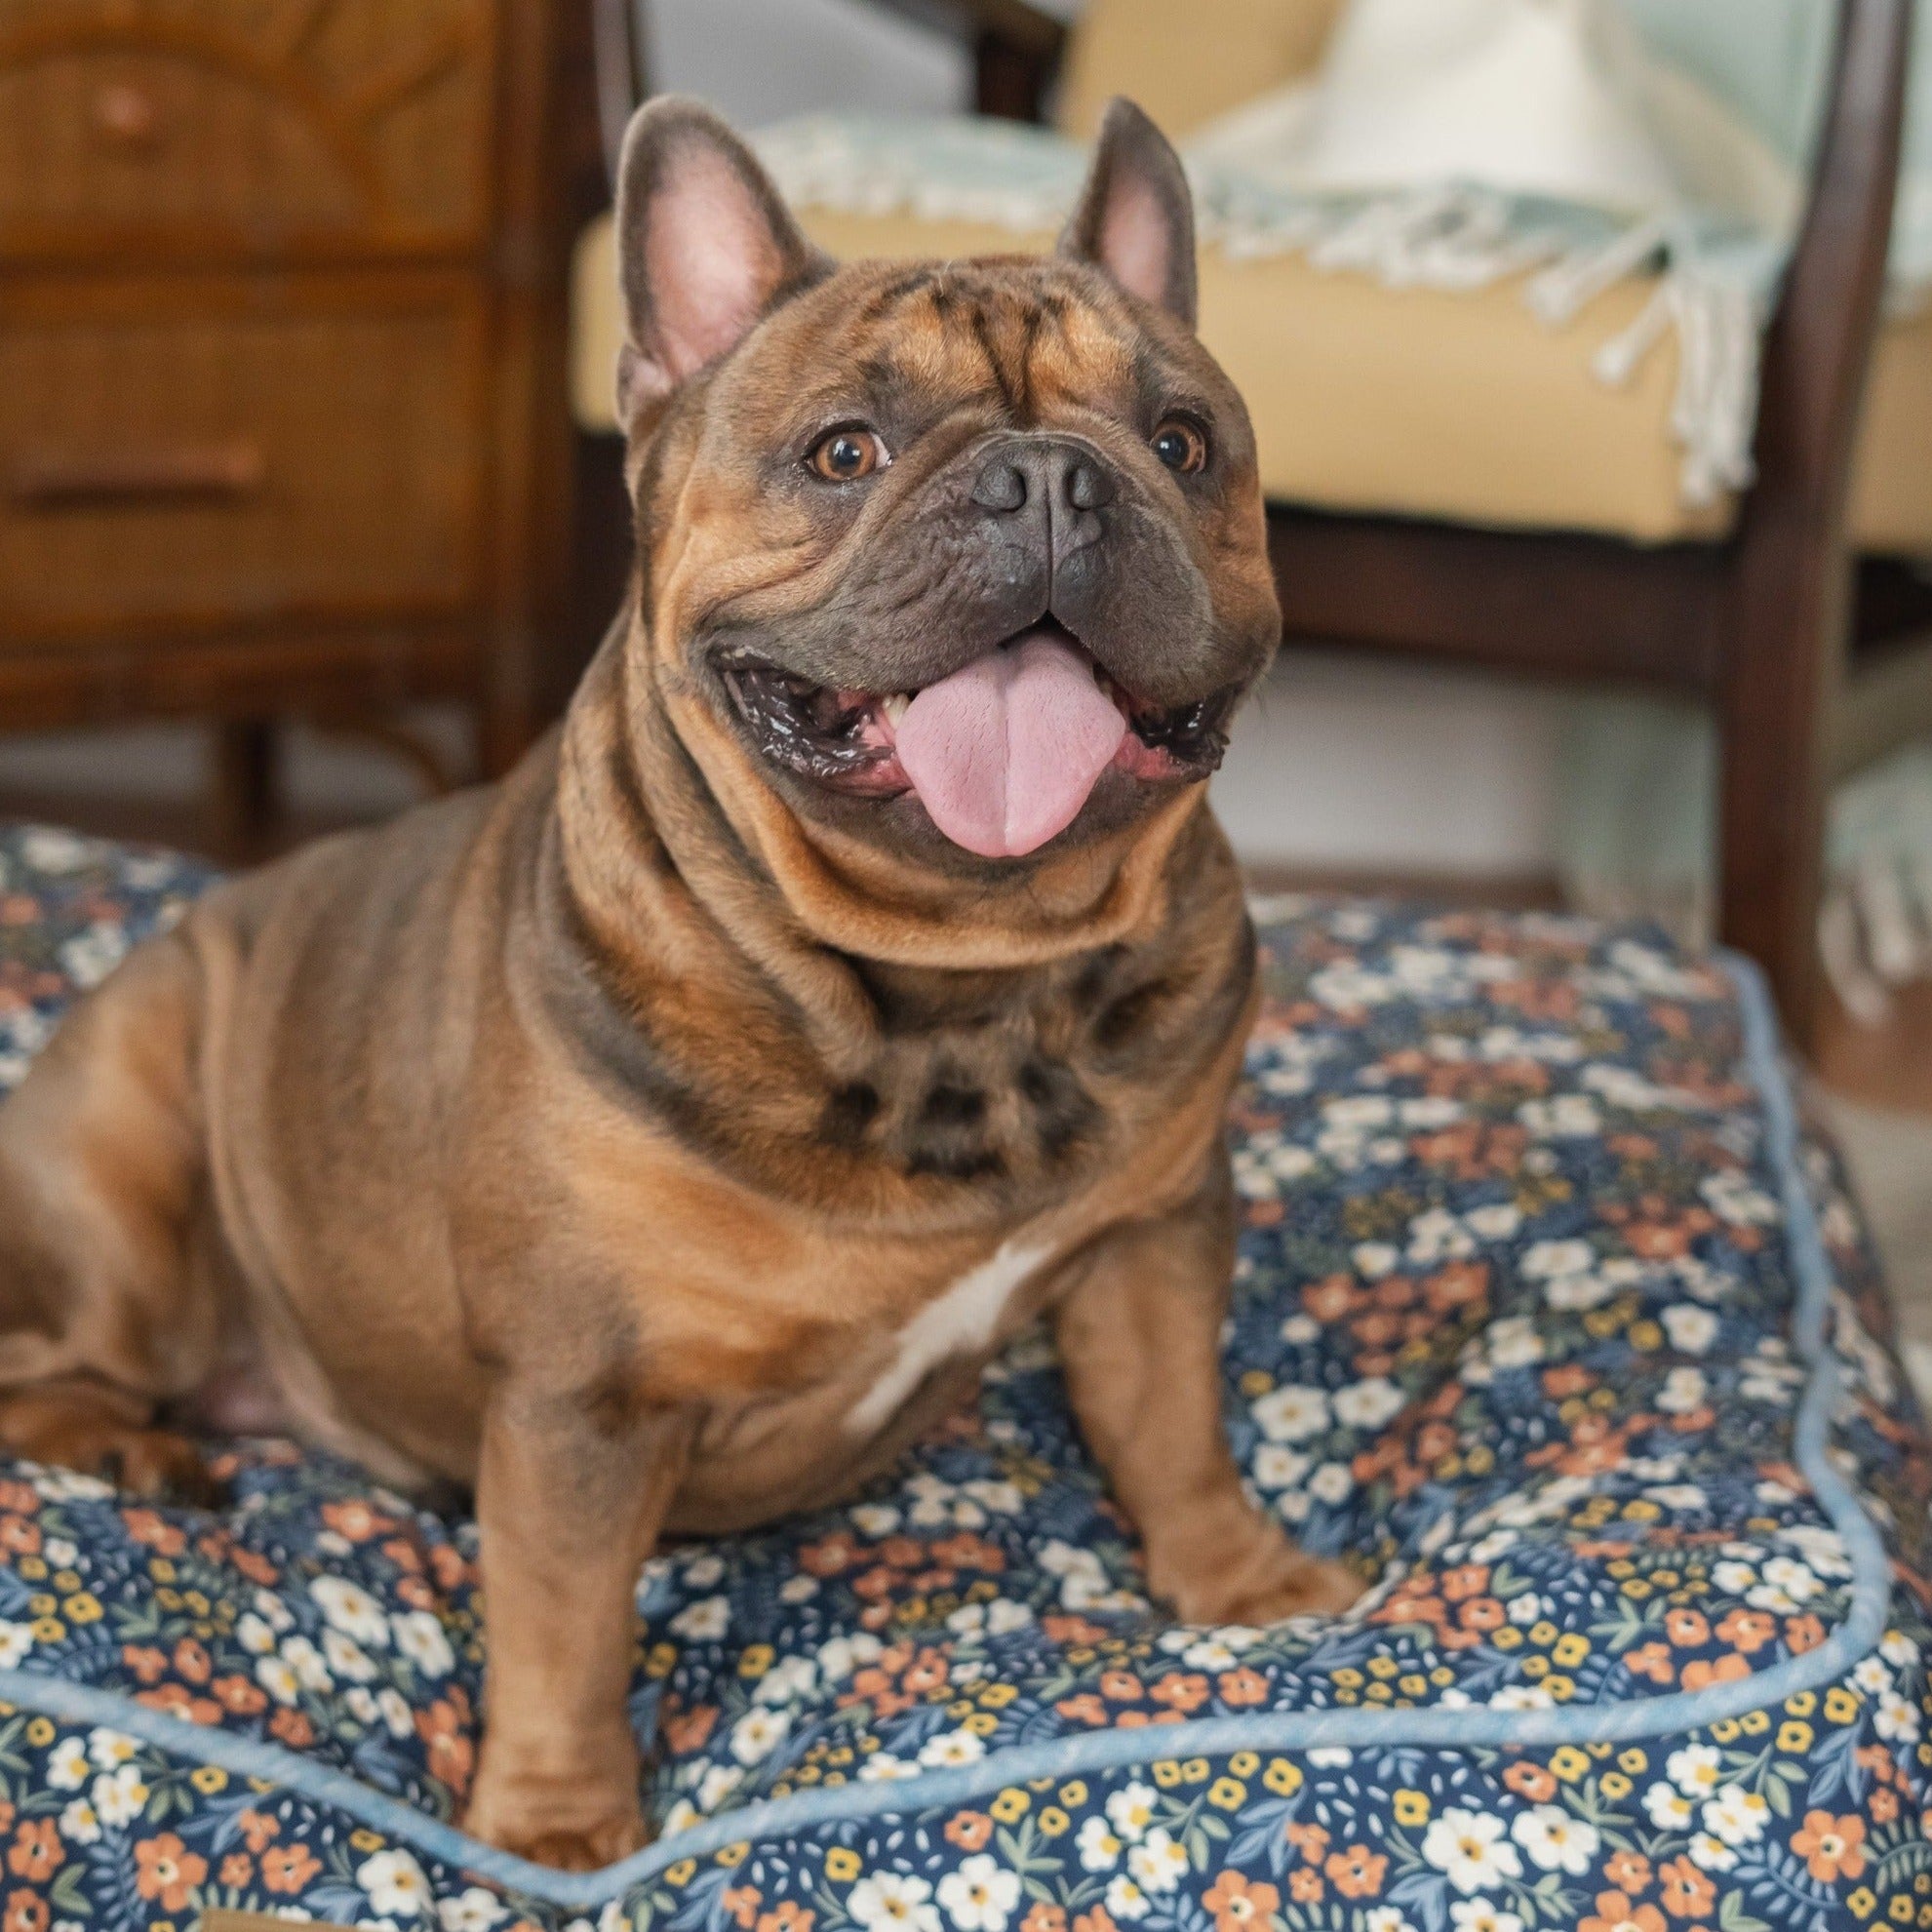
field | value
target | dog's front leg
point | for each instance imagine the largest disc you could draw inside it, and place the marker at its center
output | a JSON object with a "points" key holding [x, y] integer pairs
{"points": [[1140, 1337], [571, 1491]]}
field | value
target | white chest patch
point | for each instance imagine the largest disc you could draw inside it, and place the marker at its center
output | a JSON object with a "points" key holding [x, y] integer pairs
{"points": [[962, 1319]]}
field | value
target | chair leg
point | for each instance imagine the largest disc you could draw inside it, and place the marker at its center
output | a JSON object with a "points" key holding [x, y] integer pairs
{"points": [[1784, 664], [246, 796]]}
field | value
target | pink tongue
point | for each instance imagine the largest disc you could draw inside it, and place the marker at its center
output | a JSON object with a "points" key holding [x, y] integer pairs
{"points": [[1004, 753]]}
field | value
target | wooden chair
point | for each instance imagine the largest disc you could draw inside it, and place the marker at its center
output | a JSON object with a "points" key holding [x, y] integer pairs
{"points": [[1762, 625]]}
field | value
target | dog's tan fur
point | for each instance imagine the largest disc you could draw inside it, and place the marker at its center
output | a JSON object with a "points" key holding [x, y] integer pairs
{"points": [[592, 1139]]}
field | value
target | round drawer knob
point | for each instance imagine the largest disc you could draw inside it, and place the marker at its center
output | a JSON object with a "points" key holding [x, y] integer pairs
{"points": [[127, 115]]}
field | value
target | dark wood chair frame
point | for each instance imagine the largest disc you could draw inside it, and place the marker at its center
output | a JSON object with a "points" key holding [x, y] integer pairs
{"points": [[1762, 626]]}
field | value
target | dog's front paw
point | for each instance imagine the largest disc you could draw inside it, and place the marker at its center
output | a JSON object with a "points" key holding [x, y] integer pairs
{"points": [[570, 1825], [1259, 1578]]}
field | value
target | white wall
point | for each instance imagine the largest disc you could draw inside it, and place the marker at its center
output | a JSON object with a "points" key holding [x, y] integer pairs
{"points": [[1339, 766]]}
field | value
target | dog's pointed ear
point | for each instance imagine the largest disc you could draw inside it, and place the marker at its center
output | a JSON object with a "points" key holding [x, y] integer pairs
{"points": [[706, 247], [1135, 216]]}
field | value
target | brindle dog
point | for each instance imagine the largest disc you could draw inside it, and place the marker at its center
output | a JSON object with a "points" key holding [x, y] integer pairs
{"points": [[661, 1139]]}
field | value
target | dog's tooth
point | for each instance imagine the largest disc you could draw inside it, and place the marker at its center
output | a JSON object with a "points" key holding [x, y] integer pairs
{"points": [[897, 706]]}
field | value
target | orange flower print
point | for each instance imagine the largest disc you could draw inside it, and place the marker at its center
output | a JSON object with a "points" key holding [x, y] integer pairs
{"points": [[969, 1831], [25, 1911], [1701, 1672], [237, 1869], [1688, 1892], [1534, 1782], [788, 1916], [742, 1903], [36, 1851], [1831, 1847], [1628, 1870], [1653, 1661], [1688, 1627], [1099, 1920], [1239, 1904], [288, 1869], [1183, 1691], [1044, 1918], [1355, 1871], [259, 1829], [1615, 1914], [165, 1868], [1242, 1687]]}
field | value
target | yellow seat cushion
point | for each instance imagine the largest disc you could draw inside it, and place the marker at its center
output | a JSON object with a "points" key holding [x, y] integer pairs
{"points": [[1456, 407]]}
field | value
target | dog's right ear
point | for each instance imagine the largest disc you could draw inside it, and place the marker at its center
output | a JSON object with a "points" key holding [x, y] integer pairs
{"points": [[706, 247]]}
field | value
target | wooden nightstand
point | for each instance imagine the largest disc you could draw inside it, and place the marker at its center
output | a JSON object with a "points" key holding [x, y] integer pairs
{"points": [[282, 369]]}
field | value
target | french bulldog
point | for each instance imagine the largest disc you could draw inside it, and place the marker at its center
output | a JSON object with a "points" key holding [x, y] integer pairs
{"points": [[661, 1139]]}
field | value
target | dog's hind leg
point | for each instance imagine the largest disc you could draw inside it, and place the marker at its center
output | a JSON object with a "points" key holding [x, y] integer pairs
{"points": [[102, 1175]]}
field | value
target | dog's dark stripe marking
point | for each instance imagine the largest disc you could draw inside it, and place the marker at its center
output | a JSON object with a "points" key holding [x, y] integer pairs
{"points": [[980, 1165], [951, 1103], [1065, 1113], [850, 1109], [982, 333], [1136, 1009]]}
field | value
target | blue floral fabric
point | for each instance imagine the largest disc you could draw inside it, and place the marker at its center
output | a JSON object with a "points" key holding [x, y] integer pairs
{"points": [[1549, 1318]]}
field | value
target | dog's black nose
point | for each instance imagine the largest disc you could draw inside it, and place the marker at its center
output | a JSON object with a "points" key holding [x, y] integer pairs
{"points": [[1045, 471], [1000, 486]]}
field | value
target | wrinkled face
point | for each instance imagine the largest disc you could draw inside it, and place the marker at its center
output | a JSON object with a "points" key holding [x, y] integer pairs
{"points": [[965, 559]]}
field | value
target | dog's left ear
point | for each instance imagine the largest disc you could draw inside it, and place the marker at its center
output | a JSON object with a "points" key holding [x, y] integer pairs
{"points": [[706, 247], [1135, 216]]}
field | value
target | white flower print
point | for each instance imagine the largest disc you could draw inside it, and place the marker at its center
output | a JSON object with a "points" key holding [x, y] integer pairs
{"points": [[1694, 1769], [16, 1640], [980, 1896], [352, 1611], [1125, 1901], [1130, 1811], [471, 1911], [1554, 1841], [1099, 1846], [759, 1733], [67, 1766], [705, 1621], [1157, 1864], [80, 1824], [892, 1901], [395, 1883], [952, 1748], [1482, 1915], [346, 1657], [1691, 1330], [1737, 1816], [1368, 1404], [420, 1636], [1469, 1847], [120, 1797], [1292, 1414]]}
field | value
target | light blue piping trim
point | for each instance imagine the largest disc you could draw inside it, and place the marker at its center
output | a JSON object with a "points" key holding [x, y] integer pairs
{"points": [[1205, 1737]]}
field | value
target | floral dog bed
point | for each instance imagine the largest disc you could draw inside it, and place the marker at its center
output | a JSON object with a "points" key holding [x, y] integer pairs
{"points": [[1550, 1314]]}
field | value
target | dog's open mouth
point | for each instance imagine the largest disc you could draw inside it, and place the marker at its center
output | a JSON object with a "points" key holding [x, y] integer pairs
{"points": [[1003, 754]]}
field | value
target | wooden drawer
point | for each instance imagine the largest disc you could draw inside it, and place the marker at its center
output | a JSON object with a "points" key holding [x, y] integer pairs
{"points": [[176, 454], [232, 129]]}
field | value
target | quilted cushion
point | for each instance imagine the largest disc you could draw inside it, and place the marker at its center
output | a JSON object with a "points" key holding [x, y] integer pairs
{"points": [[1549, 1311]]}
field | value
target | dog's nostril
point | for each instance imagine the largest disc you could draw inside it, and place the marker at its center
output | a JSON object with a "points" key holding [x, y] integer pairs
{"points": [[1000, 486], [1089, 485]]}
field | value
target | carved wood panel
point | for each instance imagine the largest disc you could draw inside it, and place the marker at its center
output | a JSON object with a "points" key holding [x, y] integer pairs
{"points": [[244, 128]]}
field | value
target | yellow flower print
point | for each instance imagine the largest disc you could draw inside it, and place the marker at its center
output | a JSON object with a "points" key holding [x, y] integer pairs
{"points": [[363, 1839], [1802, 1704], [1227, 1793], [1073, 1794], [1282, 1778], [1568, 1763], [1244, 1763], [208, 1779], [843, 1865], [1054, 1822], [40, 1731], [731, 1856], [1166, 1773], [83, 1608], [1411, 1807], [48, 1630], [679, 1874], [1754, 1724], [1570, 1649], [758, 1658], [1614, 1785], [1634, 1759], [1011, 1806]]}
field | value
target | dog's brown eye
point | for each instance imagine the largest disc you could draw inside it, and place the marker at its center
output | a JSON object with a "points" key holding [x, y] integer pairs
{"points": [[1180, 445], [846, 454]]}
